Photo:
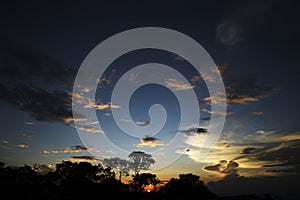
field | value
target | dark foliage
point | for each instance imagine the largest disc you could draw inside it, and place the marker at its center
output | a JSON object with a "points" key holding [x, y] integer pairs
{"points": [[83, 180]]}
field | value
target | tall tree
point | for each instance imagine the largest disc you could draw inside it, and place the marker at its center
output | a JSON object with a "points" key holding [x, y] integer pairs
{"points": [[140, 161], [121, 165]]}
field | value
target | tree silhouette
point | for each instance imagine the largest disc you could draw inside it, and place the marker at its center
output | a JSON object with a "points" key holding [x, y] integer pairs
{"points": [[123, 166], [78, 172], [144, 179], [105, 173], [187, 184], [84, 180], [140, 161], [2, 164]]}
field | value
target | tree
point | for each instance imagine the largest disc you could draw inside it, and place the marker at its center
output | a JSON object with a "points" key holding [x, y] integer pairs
{"points": [[123, 166], [187, 184], [2, 164], [105, 173], [77, 172], [140, 161], [145, 179]]}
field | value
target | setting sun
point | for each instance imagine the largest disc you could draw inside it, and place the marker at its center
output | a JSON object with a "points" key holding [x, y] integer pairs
{"points": [[149, 188]]}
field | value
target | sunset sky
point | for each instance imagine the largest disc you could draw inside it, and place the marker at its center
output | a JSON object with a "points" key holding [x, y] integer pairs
{"points": [[254, 44]]}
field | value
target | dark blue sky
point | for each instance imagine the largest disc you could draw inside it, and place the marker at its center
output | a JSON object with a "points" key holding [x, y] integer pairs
{"points": [[254, 44]]}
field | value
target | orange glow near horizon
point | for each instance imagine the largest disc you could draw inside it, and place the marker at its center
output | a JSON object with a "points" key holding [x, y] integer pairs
{"points": [[149, 188]]}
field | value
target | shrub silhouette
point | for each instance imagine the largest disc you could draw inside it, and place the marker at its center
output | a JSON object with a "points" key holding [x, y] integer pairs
{"points": [[83, 180]]}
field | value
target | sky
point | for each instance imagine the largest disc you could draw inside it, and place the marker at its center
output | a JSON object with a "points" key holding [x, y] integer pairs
{"points": [[253, 45]]}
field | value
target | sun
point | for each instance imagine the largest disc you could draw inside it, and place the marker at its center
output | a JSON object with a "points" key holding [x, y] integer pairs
{"points": [[149, 188]]}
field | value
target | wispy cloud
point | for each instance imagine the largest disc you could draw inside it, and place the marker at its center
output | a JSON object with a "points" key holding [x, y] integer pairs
{"points": [[89, 129], [107, 79], [3, 144], [259, 153], [242, 92], [257, 113], [84, 159], [70, 119], [178, 85], [28, 135], [72, 149], [23, 145], [142, 122], [179, 58]]}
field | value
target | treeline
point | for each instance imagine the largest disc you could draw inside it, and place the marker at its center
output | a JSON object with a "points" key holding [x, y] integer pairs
{"points": [[82, 180]]}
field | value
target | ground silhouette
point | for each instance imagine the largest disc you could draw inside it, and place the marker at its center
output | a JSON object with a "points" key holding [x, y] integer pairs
{"points": [[82, 180]]}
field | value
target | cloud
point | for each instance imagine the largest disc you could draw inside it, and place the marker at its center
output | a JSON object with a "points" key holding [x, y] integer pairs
{"points": [[28, 135], [83, 159], [150, 142], [241, 89], [281, 155], [4, 141], [87, 128], [45, 152], [22, 65], [23, 145], [178, 85], [196, 78], [41, 104], [257, 113], [107, 79], [28, 123], [231, 168], [193, 131], [281, 187], [72, 149], [34, 82], [216, 113], [89, 103], [264, 137], [228, 168], [249, 150], [70, 119], [276, 152], [142, 122], [179, 58], [77, 149], [106, 106], [213, 168], [245, 91], [55, 151], [209, 76], [229, 33]]}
